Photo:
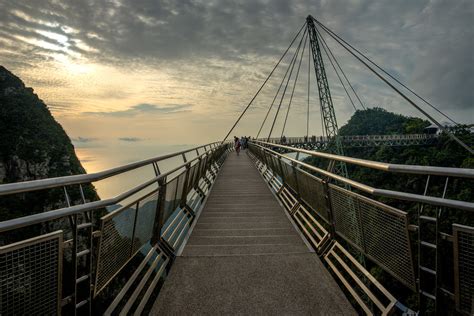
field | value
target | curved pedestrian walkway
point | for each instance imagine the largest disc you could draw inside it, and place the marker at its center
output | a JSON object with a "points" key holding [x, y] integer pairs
{"points": [[244, 256]]}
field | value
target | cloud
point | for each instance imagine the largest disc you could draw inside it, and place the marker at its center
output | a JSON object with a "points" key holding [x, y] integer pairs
{"points": [[83, 140], [228, 46], [130, 139], [145, 108]]}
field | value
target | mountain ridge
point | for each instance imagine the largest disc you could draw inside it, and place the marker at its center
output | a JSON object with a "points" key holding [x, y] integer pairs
{"points": [[33, 145]]}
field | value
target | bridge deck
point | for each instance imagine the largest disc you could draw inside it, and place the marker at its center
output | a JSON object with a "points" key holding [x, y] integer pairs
{"points": [[244, 256]]}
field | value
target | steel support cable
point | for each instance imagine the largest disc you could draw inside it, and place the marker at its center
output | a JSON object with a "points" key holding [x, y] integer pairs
{"points": [[261, 87], [294, 86], [340, 68], [276, 95], [385, 72], [309, 85], [286, 86], [323, 44], [441, 127]]}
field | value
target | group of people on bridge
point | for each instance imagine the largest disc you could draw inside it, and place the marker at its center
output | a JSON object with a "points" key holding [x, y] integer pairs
{"points": [[241, 142]]}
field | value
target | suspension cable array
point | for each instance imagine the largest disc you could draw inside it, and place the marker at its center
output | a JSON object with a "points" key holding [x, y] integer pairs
{"points": [[263, 84], [294, 86], [329, 125], [274, 98], [328, 49], [286, 86], [351, 50]]}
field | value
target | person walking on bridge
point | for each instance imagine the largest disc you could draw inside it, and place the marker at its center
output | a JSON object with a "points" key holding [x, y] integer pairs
{"points": [[237, 145], [243, 142]]}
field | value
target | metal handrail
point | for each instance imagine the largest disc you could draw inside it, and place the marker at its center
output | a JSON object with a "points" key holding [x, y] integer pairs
{"points": [[291, 139], [374, 191], [399, 168], [77, 209], [34, 185]]}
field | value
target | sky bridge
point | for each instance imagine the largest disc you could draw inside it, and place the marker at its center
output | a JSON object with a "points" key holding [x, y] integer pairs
{"points": [[245, 254], [360, 141], [258, 232]]}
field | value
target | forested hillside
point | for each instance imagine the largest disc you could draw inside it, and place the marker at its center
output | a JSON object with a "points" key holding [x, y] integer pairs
{"points": [[32, 146], [377, 121], [444, 152]]}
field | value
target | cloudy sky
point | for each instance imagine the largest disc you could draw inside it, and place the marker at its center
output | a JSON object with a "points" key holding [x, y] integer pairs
{"points": [[180, 72]]}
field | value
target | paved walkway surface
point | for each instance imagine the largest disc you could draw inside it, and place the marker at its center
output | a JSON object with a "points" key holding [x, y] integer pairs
{"points": [[245, 257]]}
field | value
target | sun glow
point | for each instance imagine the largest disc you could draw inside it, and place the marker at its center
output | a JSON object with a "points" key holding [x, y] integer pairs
{"points": [[75, 66], [61, 39]]}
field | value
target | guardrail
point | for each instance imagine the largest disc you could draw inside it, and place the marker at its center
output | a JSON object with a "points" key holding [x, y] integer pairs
{"points": [[407, 169], [411, 246], [316, 142], [91, 243]]}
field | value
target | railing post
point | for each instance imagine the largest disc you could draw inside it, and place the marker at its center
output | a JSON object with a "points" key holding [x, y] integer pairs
{"points": [[294, 167], [199, 176], [137, 206], [281, 168], [327, 196], [160, 209], [211, 161], [184, 194]]}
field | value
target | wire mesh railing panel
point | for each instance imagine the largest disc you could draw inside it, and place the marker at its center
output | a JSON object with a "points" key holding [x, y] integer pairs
{"points": [[197, 174], [30, 274], [386, 240], [115, 247], [346, 217], [31, 270], [170, 198], [266, 159], [464, 268], [379, 233], [179, 188], [202, 167], [191, 176], [311, 190], [289, 176], [275, 165], [144, 222]]}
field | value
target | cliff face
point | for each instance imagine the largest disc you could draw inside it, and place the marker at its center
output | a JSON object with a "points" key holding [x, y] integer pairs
{"points": [[32, 146]]}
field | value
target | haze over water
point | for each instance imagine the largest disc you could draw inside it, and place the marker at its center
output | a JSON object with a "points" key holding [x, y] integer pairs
{"points": [[95, 158]]}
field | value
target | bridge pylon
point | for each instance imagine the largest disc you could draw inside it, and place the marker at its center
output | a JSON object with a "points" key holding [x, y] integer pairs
{"points": [[327, 108]]}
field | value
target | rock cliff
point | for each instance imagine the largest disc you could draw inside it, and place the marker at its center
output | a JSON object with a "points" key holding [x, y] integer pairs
{"points": [[33, 145]]}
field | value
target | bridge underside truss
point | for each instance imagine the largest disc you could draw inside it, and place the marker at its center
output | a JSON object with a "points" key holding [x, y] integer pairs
{"points": [[363, 141]]}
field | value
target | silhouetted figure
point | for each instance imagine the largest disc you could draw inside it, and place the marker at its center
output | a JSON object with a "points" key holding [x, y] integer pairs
{"points": [[237, 145]]}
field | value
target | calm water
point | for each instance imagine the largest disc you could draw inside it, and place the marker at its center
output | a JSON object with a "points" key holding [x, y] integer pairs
{"points": [[99, 157]]}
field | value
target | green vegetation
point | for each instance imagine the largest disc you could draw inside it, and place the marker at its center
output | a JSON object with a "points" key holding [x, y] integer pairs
{"points": [[444, 152], [377, 121]]}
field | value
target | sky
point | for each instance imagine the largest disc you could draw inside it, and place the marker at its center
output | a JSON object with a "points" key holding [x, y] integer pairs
{"points": [[147, 76]]}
